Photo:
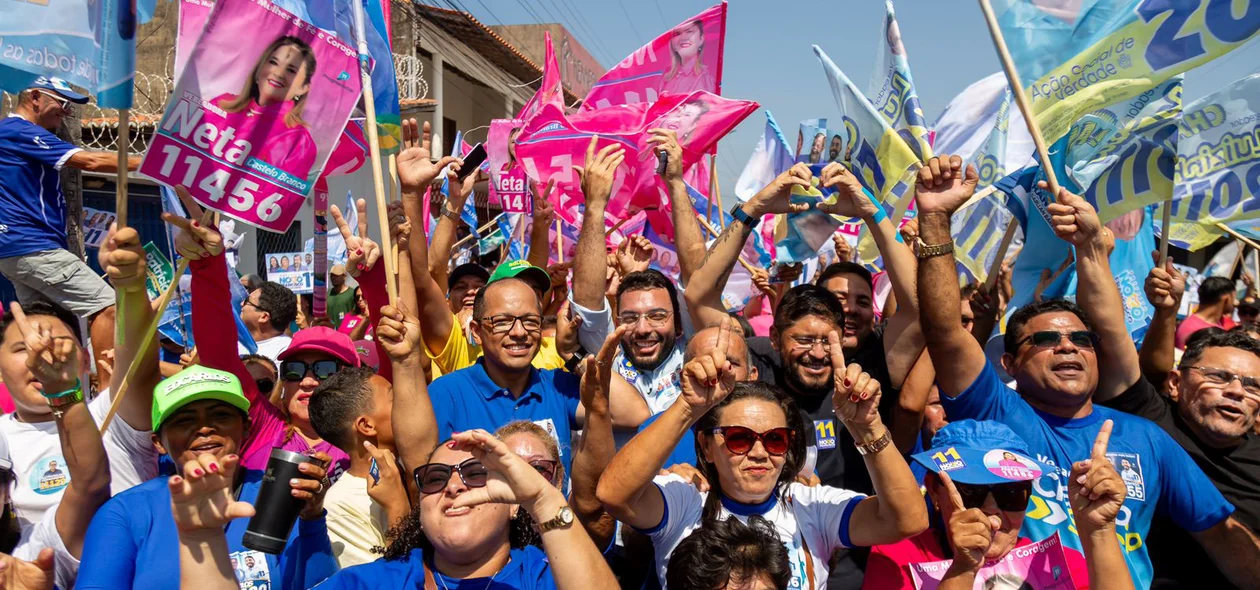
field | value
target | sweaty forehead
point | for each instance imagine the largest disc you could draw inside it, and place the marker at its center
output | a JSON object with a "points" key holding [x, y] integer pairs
{"points": [[1060, 321], [528, 446], [448, 456], [511, 297], [757, 414]]}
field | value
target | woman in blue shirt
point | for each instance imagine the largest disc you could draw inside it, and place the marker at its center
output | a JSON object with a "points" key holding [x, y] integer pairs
{"points": [[459, 537], [199, 418]]}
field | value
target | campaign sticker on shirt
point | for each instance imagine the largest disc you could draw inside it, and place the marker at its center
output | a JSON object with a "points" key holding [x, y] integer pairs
{"points": [[1129, 465], [49, 475], [1008, 465], [825, 432], [550, 427], [251, 570]]}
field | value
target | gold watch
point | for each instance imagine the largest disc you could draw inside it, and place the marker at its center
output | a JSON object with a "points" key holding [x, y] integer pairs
{"points": [[923, 250], [563, 519], [876, 445]]}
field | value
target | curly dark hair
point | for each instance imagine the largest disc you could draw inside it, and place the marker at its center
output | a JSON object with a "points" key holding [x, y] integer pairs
{"points": [[647, 280], [280, 302], [703, 429], [720, 552]]}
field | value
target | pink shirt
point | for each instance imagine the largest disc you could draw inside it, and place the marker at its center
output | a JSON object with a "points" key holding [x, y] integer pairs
{"points": [[889, 565], [1194, 323], [288, 148]]}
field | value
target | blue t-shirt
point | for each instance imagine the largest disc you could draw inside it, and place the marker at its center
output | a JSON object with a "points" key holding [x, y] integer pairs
{"points": [[1158, 474], [684, 453], [468, 399], [132, 543], [527, 569], [32, 208]]}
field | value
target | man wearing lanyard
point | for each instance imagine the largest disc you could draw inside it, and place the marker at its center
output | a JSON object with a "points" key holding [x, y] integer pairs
{"points": [[33, 208]]}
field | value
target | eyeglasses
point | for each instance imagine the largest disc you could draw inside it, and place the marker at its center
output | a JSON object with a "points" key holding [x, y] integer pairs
{"points": [[61, 101], [1049, 338], [545, 468], [1222, 378], [250, 303], [432, 478], [266, 385], [740, 440], [503, 323], [296, 370], [806, 344], [1011, 497], [655, 318]]}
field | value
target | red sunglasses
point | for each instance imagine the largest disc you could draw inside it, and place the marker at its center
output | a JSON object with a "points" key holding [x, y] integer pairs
{"points": [[740, 440]]}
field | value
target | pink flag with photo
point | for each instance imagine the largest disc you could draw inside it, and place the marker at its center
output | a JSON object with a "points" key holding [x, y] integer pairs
{"points": [[551, 92], [552, 143]]}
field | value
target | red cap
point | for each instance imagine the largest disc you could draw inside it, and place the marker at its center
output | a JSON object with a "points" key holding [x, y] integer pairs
{"points": [[325, 340]]}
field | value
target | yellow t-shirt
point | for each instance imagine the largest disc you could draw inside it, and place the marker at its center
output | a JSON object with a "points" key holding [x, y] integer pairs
{"points": [[460, 353]]}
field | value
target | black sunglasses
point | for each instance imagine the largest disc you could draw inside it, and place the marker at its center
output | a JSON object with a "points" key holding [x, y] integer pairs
{"points": [[1011, 497], [432, 478], [1048, 338], [265, 385], [296, 370]]}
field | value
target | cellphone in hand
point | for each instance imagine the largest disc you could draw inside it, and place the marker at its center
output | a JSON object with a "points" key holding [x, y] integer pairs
{"points": [[782, 272], [662, 161], [375, 472], [472, 161]]}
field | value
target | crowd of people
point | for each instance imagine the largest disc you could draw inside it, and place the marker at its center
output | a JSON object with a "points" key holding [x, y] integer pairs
{"points": [[599, 424]]}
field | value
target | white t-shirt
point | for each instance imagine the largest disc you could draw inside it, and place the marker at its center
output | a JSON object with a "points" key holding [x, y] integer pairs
{"points": [[270, 348], [812, 522], [356, 523], [44, 534], [40, 467]]}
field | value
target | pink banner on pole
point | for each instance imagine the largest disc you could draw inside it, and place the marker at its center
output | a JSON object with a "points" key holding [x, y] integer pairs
{"points": [[550, 92], [552, 143], [254, 117], [686, 59]]}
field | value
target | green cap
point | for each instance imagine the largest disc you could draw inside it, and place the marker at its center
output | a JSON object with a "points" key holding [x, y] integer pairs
{"points": [[195, 384], [523, 270]]}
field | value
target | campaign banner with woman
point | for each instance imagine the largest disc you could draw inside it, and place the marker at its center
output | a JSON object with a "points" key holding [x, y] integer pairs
{"points": [[509, 186], [685, 59], [255, 116]]}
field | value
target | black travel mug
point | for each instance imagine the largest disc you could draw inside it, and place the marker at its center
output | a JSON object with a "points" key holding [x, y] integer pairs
{"points": [[275, 509]]}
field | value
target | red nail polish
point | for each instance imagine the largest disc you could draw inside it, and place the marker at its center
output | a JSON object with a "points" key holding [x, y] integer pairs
{"points": [[359, 251], [214, 467], [195, 224], [847, 383], [198, 472]]}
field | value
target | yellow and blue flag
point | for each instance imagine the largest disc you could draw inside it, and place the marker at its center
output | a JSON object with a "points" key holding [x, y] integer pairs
{"points": [[891, 90]]}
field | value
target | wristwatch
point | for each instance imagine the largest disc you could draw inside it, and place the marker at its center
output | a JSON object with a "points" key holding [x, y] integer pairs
{"points": [[563, 519], [575, 362], [876, 445], [748, 220], [60, 401], [448, 213], [923, 250]]}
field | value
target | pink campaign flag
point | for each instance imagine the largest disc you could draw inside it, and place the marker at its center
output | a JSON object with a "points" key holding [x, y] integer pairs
{"points": [[550, 92], [249, 138], [552, 143]]}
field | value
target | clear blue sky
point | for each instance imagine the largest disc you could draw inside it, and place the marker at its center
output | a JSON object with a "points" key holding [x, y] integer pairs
{"points": [[769, 60]]}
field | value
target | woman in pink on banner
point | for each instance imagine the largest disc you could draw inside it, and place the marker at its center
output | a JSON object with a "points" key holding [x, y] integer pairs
{"points": [[979, 509], [268, 110], [687, 71]]}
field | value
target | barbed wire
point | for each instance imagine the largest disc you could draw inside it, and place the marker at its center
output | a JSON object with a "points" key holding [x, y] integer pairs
{"points": [[411, 84]]}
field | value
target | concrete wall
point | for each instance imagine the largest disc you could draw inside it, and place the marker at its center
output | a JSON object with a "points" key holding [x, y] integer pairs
{"points": [[578, 68]]}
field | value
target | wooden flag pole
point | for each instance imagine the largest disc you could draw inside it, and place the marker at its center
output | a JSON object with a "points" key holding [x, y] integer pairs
{"points": [[1021, 98], [374, 145], [145, 343], [712, 187], [615, 227], [996, 268], [485, 227], [1163, 235], [120, 188], [1238, 236], [395, 194], [559, 242]]}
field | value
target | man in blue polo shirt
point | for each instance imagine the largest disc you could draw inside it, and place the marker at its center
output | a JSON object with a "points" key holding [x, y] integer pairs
{"points": [[1060, 357], [503, 385], [33, 208]]}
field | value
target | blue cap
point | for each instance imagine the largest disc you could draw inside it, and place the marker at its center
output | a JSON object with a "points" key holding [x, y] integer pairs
{"points": [[60, 87], [981, 453]]}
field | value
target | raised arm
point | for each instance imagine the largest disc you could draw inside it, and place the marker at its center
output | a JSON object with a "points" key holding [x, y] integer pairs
{"points": [[1164, 288], [941, 189], [540, 225], [626, 488], [907, 420], [903, 339], [57, 364], [896, 511], [1234, 549], [704, 293], [123, 259], [1075, 221], [415, 172], [688, 238], [591, 263], [448, 225], [596, 447], [361, 262], [1097, 494], [107, 162], [576, 564]]}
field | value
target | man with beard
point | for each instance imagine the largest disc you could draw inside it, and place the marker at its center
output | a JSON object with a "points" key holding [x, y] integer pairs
{"points": [[1061, 358]]}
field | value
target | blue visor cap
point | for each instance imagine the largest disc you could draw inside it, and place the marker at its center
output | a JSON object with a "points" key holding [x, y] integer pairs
{"points": [[61, 87], [981, 453]]}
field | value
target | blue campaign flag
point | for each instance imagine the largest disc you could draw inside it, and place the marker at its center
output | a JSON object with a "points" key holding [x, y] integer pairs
{"points": [[771, 157], [88, 43], [508, 227]]}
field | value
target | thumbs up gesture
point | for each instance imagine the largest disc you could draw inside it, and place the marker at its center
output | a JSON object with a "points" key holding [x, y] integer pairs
{"points": [[1095, 489]]}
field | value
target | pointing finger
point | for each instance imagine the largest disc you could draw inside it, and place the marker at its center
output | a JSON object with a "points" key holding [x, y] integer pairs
{"points": [[954, 496], [190, 205], [1100, 443]]}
